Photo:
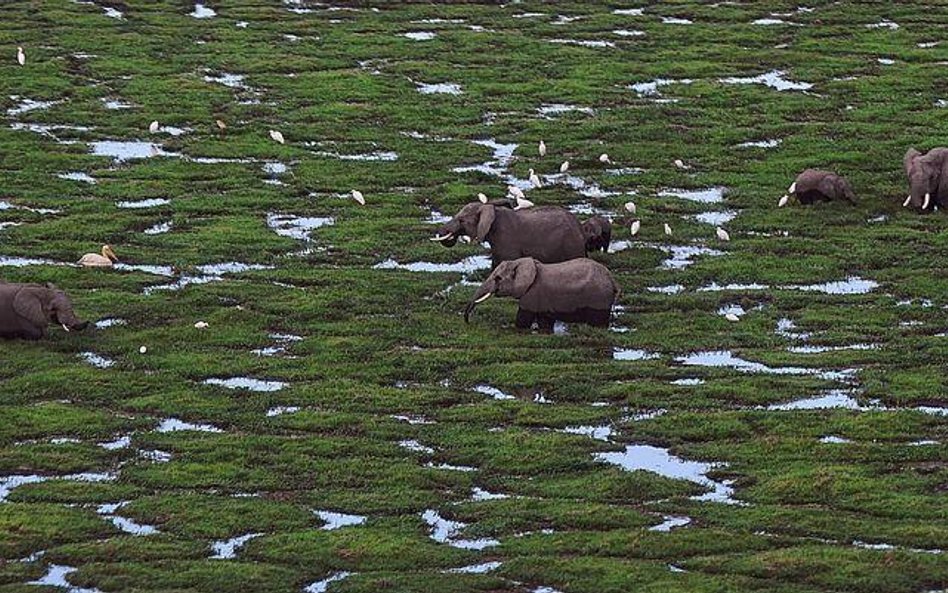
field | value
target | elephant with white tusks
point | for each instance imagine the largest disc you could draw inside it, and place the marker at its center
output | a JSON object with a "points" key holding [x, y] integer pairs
{"points": [[598, 232], [549, 234], [813, 185], [928, 178], [27, 309], [578, 290]]}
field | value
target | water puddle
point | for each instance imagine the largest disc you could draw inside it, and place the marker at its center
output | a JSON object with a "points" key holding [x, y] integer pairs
{"points": [[155, 455], [202, 12], [247, 383], [554, 110], [323, 585], [671, 20], [628, 33], [450, 467], [115, 104], [128, 150], [281, 410], [439, 88], [493, 392], [851, 285], [772, 143], [711, 195], [683, 256], [834, 440], [227, 549], [413, 419], [338, 520], [20, 262], [670, 289], [482, 568], [159, 228], [727, 359], [715, 218], [650, 89], [420, 35], [122, 442], [660, 461], [670, 522], [811, 349], [466, 266], [633, 354], [27, 105], [8, 483], [296, 227], [883, 24], [599, 433], [208, 273], [96, 360], [377, 156], [148, 269], [833, 399], [108, 512], [415, 447], [56, 577], [110, 12], [688, 381], [481, 495], [773, 79], [175, 425], [444, 531], [715, 287], [230, 80], [78, 176]]}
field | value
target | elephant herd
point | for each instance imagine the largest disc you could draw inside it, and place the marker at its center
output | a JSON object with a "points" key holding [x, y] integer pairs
{"points": [[538, 254]]}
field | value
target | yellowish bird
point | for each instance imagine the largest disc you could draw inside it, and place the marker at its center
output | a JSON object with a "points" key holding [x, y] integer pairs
{"points": [[523, 203], [636, 225], [534, 179], [564, 167], [105, 259], [482, 198], [732, 317], [722, 234], [221, 125], [630, 206], [20, 56], [358, 197], [604, 158], [542, 148], [278, 136], [154, 127], [515, 191], [668, 229]]}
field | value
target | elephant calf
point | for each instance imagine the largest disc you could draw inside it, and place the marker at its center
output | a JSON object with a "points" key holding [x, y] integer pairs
{"points": [[928, 178], [26, 310], [817, 186], [598, 232], [580, 290]]}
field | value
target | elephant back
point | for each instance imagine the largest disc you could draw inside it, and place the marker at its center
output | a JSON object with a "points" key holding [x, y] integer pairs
{"points": [[569, 286]]}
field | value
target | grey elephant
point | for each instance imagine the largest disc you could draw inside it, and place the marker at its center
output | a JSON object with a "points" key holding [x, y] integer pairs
{"points": [[928, 178], [813, 185], [598, 232], [27, 309], [549, 234], [578, 290]]}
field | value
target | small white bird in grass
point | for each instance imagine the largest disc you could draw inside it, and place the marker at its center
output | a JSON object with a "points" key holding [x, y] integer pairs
{"points": [[564, 167], [482, 198], [783, 201], [681, 164], [630, 206], [358, 197], [604, 158], [523, 203], [515, 191], [722, 234], [636, 225], [142, 350], [542, 148], [276, 135], [668, 229], [732, 317], [154, 127], [20, 56], [534, 179], [221, 125], [201, 325]]}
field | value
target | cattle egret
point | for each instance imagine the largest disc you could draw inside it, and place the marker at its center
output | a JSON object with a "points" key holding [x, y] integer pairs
{"points": [[636, 225], [142, 350], [783, 201], [542, 148], [221, 125], [668, 229], [358, 197], [201, 325], [523, 203], [534, 179], [276, 135], [153, 127], [793, 188], [722, 234], [907, 201], [482, 198], [604, 158], [20, 56], [95, 260], [515, 191], [630, 206], [564, 167], [681, 164], [732, 317]]}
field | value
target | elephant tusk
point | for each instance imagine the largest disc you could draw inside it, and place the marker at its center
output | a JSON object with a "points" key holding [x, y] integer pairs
{"points": [[793, 188], [65, 327], [442, 237], [483, 298], [928, 199], [907, 201]]}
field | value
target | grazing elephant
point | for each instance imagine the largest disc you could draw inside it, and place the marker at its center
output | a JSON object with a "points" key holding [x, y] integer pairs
{"points": [[580, 290], [598, 232], [815, 186], [26, 310], [928, 178], [549, 234]]}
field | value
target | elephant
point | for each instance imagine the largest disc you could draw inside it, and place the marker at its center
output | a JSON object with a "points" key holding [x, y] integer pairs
{"points": [[928, 178], [549, 234], [579, 290], [598, 232], [813, 185], [26, 310]]}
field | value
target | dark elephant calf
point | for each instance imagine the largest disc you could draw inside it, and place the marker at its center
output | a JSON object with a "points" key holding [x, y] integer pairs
{"points": [[27, 309]]}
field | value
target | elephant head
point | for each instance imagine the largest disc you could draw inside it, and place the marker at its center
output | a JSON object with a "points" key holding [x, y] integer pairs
{"points": [[44, 305], [474, 220], [925, 172], [844, 190], [509, 278]]}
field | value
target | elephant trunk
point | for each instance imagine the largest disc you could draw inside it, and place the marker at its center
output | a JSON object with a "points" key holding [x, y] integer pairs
{"points": [[448, 234], [69, 321], [483, 293]]}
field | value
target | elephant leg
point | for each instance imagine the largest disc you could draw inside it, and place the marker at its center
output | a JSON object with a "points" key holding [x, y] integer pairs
{"points": [[545, 323], [596, 317], [525, 319], [26, 333]]}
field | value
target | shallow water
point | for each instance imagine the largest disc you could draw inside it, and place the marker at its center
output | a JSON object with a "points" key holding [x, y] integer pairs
{"points": [[467, 265], [834, 440], [96, 360], [122, 442], [323, 585], [159, 228], [8, 483], [377, 156], [420, 35], [633, 354], [727, 359], [683, 256], [227, 549], [247, 383], [553, 110], [415, 447], [78, 176], [19, 262], [445, 531], [833, 399], [149, 203], [482, 568], [670, 20], [202, 12], [334, 520], [670, 289], [851, 285], [297, 227], [481, 495], [148, 269], [128, 150], [175, 425], [772, 143], [450, 467], [27, 105], [711, 195], [108, 511], [670, 522], [281, 410], [599, 433], [628, 33], [56, 577], [773, 79], [716, 218], [650, 88], [493, 392], [439, 88]]}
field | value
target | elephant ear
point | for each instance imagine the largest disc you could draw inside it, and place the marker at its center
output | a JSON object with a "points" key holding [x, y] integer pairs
{"points": [[910, 155], [484, 222], [525, 274], [28, 305]]}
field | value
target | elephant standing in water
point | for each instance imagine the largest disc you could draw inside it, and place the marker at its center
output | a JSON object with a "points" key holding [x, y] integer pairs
{"points": [[598, 231], [928, 178], [548, 234], [27, 309], [580, 290], [813, 185]]}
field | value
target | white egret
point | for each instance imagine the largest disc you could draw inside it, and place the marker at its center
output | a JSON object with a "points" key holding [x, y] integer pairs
{"points": [[358, 197], [276, 135]]}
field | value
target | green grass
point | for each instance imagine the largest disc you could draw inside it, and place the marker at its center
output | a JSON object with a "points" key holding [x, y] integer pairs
{"points": [[380, 345]]}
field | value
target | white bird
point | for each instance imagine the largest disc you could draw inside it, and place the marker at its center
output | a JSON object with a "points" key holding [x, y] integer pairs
{"points": [[201, 325], [793, 188], [142, 350], [636, 225], [358, 197], [722, 234], [20, 56], [523, 203], [534, 179], [221, 125], [153, 127], [668, 229], [783, 201], [482, 198], [276, 135], [732, 317], [564, 167], [515, 191], [907, 201], [95, 260], [630, 206], [604, 158], [681, 164], [542, 148]]}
